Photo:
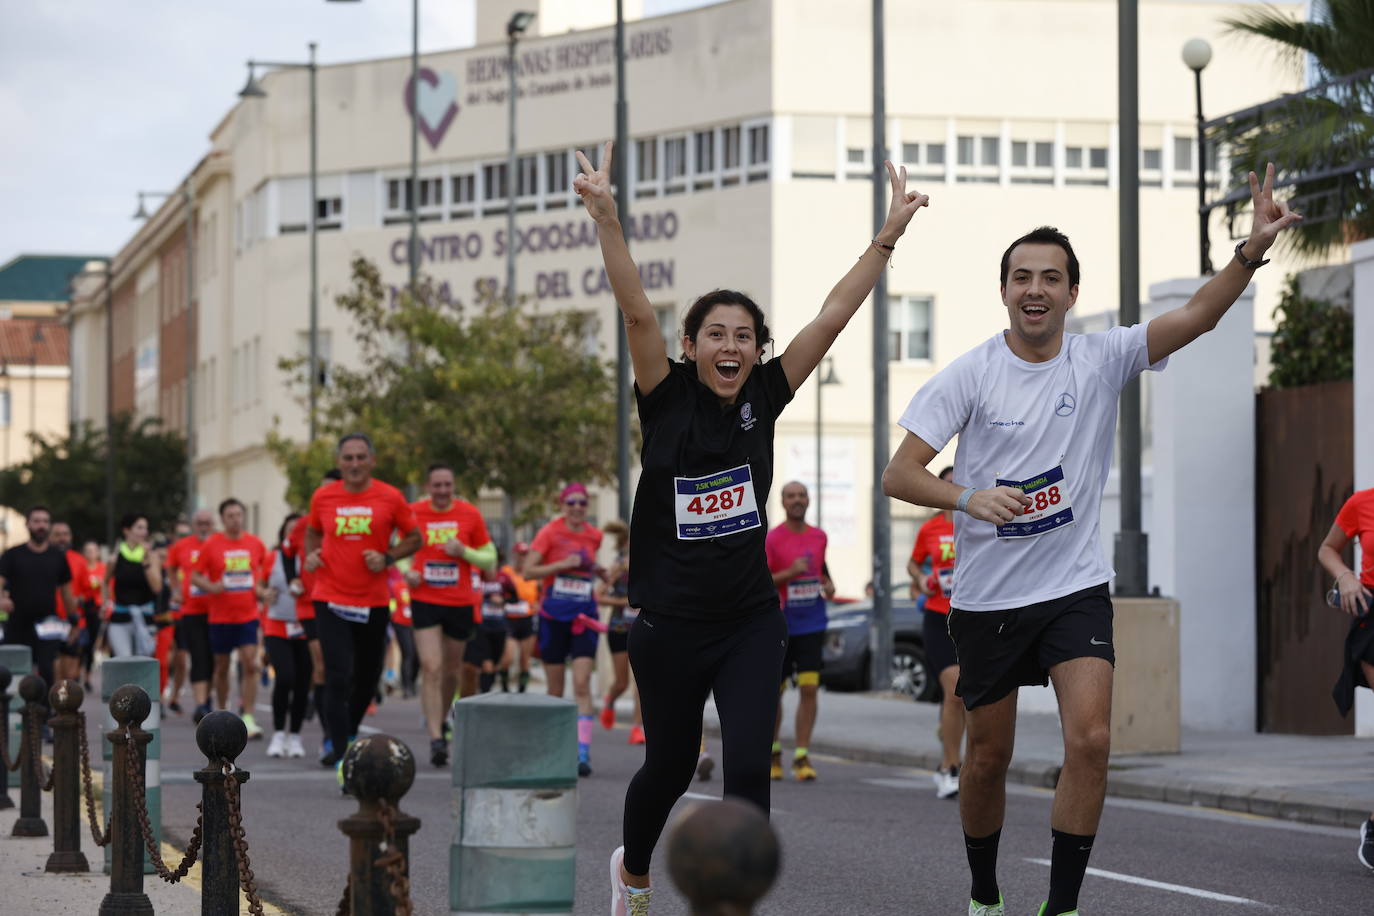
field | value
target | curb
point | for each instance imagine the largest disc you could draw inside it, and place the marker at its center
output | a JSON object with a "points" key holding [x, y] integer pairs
{"points": [[1261, 801]]}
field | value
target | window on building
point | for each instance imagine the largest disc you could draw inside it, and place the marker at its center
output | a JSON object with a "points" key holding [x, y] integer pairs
{"points": [[323, 357], [398, 194], [4, 409], [1020, 153], [909, 329], [527, 175], [991, 149], [1152, 160], [646, 160], [935, 154], [856, 155], [1044, 154], [911, 153], [758, 145], [1183, 153], [730, 147], [666, 316], [1073, 157], [329, 213], [494, 185], [675, 157], [966, 150], [1097, 157], [556, 173], [463, 191], [704, 146]]}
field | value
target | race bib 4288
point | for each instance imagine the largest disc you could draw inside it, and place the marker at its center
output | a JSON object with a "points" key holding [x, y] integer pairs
{"points": [[1050, 507]]}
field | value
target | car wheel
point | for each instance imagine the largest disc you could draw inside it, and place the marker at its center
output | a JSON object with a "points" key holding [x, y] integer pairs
{"points": [[910, 673]]}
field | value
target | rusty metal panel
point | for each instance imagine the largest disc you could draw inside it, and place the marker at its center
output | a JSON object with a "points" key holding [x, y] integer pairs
{"points": [[1305, 453]]}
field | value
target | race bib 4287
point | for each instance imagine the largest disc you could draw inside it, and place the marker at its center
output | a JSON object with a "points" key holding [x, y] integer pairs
{"points": [[715, 505]]}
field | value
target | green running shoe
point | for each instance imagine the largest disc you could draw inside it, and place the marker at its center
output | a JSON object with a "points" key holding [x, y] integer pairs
{"points": [[987, 909], [1047, 903]]}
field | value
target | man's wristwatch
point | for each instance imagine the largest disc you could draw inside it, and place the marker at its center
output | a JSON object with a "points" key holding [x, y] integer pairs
{"points": [[1246, 262]]}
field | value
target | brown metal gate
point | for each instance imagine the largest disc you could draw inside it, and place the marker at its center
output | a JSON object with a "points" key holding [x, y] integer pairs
{"points": [[1305, 457]]}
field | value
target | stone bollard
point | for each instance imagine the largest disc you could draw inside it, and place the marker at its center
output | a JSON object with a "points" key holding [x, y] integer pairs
{"points": [[723, 856], [5, 743], [220, 736], [129, 706], [515, 788], [377, 771], [67, 856], [19, 659], [139, 671], [30, 823]]}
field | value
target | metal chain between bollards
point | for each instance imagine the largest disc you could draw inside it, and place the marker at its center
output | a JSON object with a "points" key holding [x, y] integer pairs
{"points": [[393, 860], [246, 880], [100, 840], [36, 755], [133, 762]]}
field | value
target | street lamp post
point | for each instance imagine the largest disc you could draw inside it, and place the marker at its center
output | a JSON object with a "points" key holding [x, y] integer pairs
{"points": [[825, 375], [1197, 54], [252, 90], [622, 199], [519, 22], [882, 515], [34, 341], [188, 202]]}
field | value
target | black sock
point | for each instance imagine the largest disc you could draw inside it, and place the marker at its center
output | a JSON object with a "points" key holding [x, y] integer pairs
{"points": [[982, 863], [524, 680], [504, 677], [1068, 862], [485, 680]]}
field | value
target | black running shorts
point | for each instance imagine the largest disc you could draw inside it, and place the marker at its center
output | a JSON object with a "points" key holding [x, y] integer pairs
{"points": [[939, 647], [999, 651], [804, 653], [456, 620]]}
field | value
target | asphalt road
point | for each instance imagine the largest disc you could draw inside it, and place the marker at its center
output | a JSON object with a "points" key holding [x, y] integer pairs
{"points": [[863, 839]]}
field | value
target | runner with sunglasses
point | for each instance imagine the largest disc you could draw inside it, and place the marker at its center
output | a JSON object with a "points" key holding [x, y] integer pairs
{"points": [[563, 554], [710, 621]]}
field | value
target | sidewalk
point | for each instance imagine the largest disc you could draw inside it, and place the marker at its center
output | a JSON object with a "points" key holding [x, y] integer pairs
{"points": [[1315, 780]]}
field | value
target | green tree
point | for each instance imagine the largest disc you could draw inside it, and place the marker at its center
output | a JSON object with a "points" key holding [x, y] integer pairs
{"points": [[506, 396], [1314, 341], [1310, 133], [67, 474]]}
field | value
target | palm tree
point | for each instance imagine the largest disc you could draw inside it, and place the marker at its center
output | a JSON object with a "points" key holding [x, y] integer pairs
{"points": [[1328, 128]]}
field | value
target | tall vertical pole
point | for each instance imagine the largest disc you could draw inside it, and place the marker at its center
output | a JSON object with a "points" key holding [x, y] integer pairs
{"points": [[109, 405], [882, 535], [622, 200], [189, 199], [510, 171], [414, 145], [1205, 263], [314, 249], [820, 477], [1131, 545]]}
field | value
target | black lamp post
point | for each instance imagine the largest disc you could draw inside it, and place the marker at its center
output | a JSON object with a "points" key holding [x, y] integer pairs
{"points": [[1197, 53]]}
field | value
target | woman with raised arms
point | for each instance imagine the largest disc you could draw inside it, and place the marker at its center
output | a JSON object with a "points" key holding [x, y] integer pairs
{"points": [[709, 619]]}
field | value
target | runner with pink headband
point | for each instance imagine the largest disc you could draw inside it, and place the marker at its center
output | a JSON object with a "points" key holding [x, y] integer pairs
{"points": [[563, 554]]}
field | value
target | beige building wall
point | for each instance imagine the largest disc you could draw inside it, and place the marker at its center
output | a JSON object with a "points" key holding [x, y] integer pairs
{"points": [[787, 78], [37, 403]]}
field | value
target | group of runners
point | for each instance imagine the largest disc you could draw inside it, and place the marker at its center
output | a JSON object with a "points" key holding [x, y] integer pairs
{"points": [[707, 601]]}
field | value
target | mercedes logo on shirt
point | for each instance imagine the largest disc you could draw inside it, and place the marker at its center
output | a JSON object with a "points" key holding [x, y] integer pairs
{"points": [[1064, 405]]}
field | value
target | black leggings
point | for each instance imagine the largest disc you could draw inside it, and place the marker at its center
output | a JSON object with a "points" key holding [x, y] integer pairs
{"points": [[291, 680], [677, 662], [353, 657], [410, 660], [195, 630]]}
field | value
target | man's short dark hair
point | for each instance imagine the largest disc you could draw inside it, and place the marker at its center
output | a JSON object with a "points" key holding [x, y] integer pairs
{"points": [[1044, 235], [39, 508], [364, 438], [231, 501], [439, 466]]}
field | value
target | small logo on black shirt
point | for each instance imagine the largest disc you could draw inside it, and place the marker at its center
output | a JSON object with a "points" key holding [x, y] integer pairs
{"points": [[746, 416]]}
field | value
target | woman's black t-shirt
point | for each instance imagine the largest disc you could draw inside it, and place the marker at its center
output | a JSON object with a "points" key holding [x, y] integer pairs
{"points": [[131, 583], [699, 521]]}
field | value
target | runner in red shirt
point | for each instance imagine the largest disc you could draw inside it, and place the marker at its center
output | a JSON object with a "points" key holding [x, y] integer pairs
{"points": [[231, 572], [935, 543], [301, 587], [348, 543], [193, 626], [1355, 521], [68, 665], [407, 664], [95, 592], [443, 604], [564, 556]]}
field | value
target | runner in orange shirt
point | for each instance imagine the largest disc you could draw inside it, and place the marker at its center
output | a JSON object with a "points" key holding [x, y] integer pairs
{"points": [[68, 664], [348, 544], [193, 626], [231, 572], [443, 602], [95, 592], [522, 601]]}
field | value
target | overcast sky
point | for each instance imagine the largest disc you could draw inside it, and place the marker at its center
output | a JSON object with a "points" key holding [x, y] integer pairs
{"points": [[101, 98]]}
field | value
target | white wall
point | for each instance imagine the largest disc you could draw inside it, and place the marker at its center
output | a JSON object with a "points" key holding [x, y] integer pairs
{"points": [[1362, 258]]}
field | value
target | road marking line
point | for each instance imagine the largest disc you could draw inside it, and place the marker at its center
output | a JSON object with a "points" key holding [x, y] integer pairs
{"points": [[1164, 886]]}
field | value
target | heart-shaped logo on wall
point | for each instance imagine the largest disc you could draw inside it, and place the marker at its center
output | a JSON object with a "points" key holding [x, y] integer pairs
{"points": [[438, 103]]}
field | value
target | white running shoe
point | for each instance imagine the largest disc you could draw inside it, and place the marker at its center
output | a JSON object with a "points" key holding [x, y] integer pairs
{"points": [[251, 724], [947, 782], [624, 903], [1366, 850], [992, 909], [294, 747], [277, 746]]}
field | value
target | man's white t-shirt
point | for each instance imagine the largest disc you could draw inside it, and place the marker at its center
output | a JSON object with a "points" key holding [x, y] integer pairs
{"points": [[1049, 427]]}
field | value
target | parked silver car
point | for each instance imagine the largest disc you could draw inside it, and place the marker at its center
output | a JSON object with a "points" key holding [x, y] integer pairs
{"points": [[850, 638]]}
